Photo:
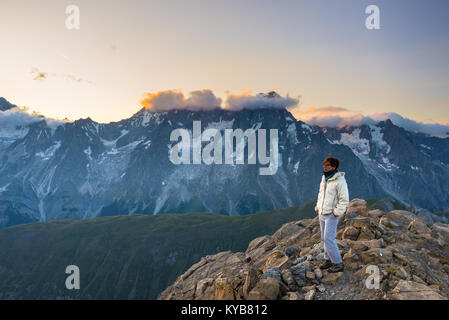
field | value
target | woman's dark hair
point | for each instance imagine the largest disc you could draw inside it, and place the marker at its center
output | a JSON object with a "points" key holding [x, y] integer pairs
{"points": [[334, 162]]}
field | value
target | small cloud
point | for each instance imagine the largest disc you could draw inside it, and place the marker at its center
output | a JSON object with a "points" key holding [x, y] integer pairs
{"points": [[246, 100], [161, 101], [18, 117], [433, 129], [41, 76], [339, 117]]}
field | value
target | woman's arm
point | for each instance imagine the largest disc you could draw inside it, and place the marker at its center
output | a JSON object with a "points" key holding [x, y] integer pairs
{"points": [[343, 198]]}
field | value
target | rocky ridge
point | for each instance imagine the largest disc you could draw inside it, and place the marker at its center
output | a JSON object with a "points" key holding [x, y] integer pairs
{"points": [[410, 257]]}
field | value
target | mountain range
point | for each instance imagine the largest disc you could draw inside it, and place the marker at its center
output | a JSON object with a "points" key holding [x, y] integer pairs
{"points": [[52, 170]]}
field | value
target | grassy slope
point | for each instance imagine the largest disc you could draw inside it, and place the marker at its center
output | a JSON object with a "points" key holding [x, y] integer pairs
{"points": [[123, 257]]}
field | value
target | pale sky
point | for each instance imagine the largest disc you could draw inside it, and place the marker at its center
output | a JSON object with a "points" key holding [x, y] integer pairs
{"points": [[319, 50]]}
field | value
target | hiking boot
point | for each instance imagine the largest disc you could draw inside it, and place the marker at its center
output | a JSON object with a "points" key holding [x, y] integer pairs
{"points": [[327, 264], [337, 267]]}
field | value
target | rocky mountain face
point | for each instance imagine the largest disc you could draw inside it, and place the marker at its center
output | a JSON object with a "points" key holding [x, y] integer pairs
{"points": [[86, 169], [411, 167], [387, 255], [5, 104], [83, 169]]}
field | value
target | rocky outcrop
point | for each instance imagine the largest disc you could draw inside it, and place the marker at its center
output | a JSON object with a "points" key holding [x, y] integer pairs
{"points": [[387, 255]]}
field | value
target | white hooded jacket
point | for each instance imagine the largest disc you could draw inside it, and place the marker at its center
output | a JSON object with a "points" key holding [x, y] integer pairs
{"points": [[333, 195]]}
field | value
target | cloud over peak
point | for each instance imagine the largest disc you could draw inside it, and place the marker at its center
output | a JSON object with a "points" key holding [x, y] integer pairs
{"points": [[205, 99], [330, 116], [246, 100], [161, 101]]}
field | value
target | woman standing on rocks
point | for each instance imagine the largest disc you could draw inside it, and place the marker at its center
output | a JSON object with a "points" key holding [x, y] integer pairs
{"points": [[333, 198]]}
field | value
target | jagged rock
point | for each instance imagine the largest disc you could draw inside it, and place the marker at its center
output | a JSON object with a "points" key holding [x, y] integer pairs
{"points": [[251, 279], [377, 256], [309, 295], [287, 277], [299, 271], [375, 213], [390, 223], [356, 205], [418, 227], [331, 278], [318, 274], [366, 234], [351, 259], [409, 290], [430, 218], [310, 275], [401, 273], [291, 251], [254, 244], [277, 259], [442, 230], [350, 233], [293, 296], [269, 244], [204, 288], [266, 289], [287, 230], [360, 222], [304, 222], [224, 289], [386, 205], [321, 288], [412, 258], [299, 260], [272, 272]]}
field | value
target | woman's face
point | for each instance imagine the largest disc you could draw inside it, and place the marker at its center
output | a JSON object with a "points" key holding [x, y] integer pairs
{"points": [[327, 167]]}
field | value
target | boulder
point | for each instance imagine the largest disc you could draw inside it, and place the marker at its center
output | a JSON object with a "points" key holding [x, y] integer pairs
{"points": [[266, 289], [318, 274], [442, 230], [309, 295], [287, 230], [385, 205], [269, 244], [256, 243], [277, 259], [291, 251], [359, 222], [272, 272], [331, 278], [321, 288], [350, 233], [356, 205], [375, 213], [251, 279], [418, 227], [287, 277], [293, 295], [366, 234], [204, 289], [351, 259], [377, 256], [223, 289], [409, 290]]}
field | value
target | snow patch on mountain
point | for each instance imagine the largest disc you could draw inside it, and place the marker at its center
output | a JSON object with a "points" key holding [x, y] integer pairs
{"points": [[358, 145], [291, 131], [377, 138], [50, 152]]}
